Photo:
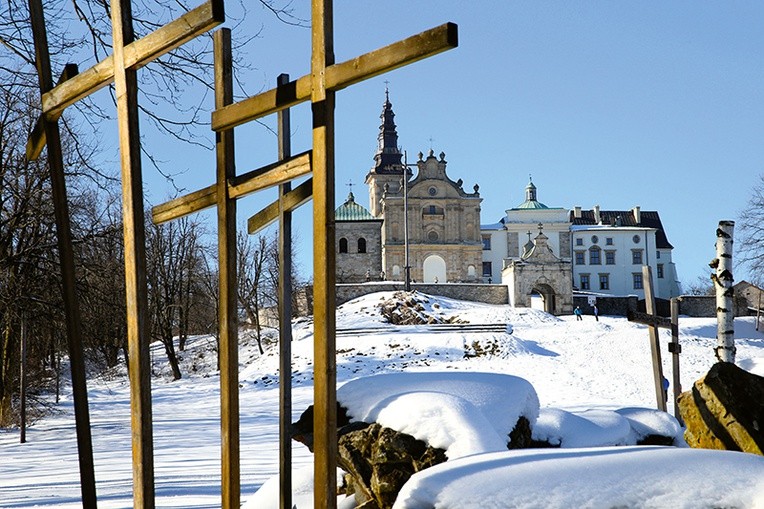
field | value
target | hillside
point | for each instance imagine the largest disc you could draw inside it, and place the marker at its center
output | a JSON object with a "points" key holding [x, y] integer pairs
{"points": [[572, 365]]}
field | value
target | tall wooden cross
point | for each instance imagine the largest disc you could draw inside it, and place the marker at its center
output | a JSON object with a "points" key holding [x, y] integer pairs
{"points": [[119, 68]]}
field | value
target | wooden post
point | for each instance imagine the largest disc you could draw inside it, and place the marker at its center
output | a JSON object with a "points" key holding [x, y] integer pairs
{"points": [[725, 303], [23, 380], [655, 347], [229, 341], [66, 261], [758, 310], [675, 348], [126, 86], [325, 388], [285, 313]]}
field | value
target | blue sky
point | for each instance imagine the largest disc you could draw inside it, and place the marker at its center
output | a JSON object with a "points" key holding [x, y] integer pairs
{"points": [[656, 104]]}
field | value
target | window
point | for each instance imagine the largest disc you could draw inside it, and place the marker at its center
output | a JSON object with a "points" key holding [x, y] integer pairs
{"points": [[396, 270], [609, 241], [635, 238], [580, 258], [579, 242], [433, 191], [432, 210], [585, 282], [595, 256], [432, 236], [343, 245], [362, 245], [471, 270], [657, 254], [604, 281], [660, 271], [636, 257], [609, 257], [637, 279], [486, 242], [595, 239], [487, 269]]}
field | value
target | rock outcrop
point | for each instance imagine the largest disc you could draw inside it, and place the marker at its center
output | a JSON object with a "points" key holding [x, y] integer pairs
{"points": [[725, 410]]}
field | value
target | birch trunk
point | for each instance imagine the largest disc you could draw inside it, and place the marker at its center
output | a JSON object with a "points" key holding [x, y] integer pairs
{"points": [[725, 306]]}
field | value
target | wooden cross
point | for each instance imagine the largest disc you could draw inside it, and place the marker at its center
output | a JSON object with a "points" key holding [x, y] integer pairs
{"points": [[319, 87], [120, 68], [653, 322]]}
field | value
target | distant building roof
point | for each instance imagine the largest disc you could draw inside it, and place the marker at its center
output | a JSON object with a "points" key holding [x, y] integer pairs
{"points": [[625, 218], [351, 211]]}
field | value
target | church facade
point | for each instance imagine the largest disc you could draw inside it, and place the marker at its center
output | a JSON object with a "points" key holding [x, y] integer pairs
{"points": [[419, 218]]}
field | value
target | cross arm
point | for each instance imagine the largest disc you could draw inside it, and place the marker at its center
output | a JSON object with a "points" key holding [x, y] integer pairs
{"points": [[293, 199], [242, 185], [648, 319], [37, 139], [137, 54], [339, 76]]}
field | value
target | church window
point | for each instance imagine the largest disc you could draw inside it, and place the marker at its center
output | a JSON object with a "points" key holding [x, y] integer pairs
{"points": [[635, 238], [660, 271], [486, 242], [433, 191], [432, 210], [595, 239], [657, 254], [637, 279], [432, 236], [343, 245], [585, 282], [636, 256], [579, 242], [487, 269], [604, 281], [580, 258], [362, 245], [609, 257], [595, 256], [609, 241]]}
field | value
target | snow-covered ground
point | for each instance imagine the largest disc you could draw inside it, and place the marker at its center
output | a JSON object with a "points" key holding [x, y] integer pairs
{"points": [[579, 370]]}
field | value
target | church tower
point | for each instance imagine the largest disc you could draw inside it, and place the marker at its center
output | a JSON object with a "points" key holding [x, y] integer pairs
{"points": [[387, 171]]}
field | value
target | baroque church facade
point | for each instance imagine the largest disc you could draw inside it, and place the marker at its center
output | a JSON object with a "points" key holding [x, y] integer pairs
{"points": [[427, 214], [430, 221]]}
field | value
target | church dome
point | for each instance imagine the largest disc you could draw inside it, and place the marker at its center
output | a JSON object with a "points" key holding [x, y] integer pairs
{"points": [[351, 211], [531, 201]]}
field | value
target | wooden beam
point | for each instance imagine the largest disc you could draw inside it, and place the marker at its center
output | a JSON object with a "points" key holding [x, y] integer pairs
{"points": [[242, 185], [227, 273], [648, 319], [339, 76], [675, 348], [285, 314], [324, 263], [37, 138], [655, 346], [66, 262], [136, 289], [290, 201], [136, 55]]}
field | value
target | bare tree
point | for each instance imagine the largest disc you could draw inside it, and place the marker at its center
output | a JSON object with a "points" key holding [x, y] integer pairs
{"points": [[750, 246], [252, 256]]}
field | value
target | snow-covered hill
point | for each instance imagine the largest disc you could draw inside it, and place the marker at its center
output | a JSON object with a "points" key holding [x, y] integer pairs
{"points": [[574, 366]]}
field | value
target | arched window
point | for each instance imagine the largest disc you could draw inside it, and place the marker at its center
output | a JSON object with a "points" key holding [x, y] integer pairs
{"points": [[362, 245], [343, 245]]}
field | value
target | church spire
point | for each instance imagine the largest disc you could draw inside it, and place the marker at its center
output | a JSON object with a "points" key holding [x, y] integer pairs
{"points": [[530, 190], [388, 156]]}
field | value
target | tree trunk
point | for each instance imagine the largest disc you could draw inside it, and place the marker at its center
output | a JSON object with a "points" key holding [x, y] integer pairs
{"points": [[725, 305], [169, 348]]}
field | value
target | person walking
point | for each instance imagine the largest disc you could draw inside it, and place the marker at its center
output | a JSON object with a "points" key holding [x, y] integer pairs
{"points": [[596, 312], [577, 312]]}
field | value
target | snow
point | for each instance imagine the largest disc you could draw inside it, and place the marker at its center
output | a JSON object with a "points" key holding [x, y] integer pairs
{"points": [[592, 382]]}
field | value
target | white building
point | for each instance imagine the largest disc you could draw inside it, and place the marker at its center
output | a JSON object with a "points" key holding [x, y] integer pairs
{"points": [[611, 246], [607, 248]]}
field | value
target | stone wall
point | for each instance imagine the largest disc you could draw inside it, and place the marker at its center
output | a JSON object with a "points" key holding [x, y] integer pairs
{"points": [[614, 306], [488, 294], [705, 306]]}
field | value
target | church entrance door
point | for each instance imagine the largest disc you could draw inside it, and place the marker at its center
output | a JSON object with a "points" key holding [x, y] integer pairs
{"points": [[434, 269], [547, 296]]}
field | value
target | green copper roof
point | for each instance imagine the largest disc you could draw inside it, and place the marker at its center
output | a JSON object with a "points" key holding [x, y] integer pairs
{"points": [[530, 204], [351, 211]]}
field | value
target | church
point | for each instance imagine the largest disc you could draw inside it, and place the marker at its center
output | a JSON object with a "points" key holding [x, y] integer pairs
{"points": [[427, 223]]}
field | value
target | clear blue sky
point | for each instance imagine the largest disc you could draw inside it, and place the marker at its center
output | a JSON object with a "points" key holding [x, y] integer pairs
{"points": [[651, 103]]}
